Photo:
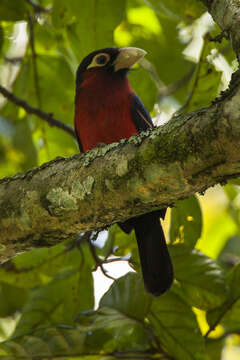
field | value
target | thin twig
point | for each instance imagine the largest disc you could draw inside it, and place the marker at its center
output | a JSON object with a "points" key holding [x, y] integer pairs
{"points": [[99, 262], [163, 90], [108, 261], [34, 60], [195, 83], [172, 88], [219, 37], [48, 117], [38, 8], [213, 326], [36, 74]]}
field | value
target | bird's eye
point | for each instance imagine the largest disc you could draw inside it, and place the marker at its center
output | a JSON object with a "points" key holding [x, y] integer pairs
{"points": [[102, 59], [99, 60]]}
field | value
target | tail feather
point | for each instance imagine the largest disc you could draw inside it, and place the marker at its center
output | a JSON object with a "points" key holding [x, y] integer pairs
{"points": [[157, 269]]}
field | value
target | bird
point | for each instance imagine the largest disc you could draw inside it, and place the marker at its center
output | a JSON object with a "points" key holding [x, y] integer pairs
{"points": [[106, 111]]}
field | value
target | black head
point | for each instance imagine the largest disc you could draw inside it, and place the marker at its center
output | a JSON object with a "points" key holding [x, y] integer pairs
{"points": [[113, 60]]}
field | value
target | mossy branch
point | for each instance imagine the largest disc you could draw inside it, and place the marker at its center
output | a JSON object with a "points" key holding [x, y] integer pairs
{"points": [[67, 196]]}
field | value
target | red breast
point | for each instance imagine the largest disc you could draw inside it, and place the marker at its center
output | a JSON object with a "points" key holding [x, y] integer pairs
{"points": [[103, 109]]}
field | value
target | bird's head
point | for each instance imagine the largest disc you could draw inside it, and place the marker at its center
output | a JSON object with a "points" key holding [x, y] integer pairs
{"points": [[109, 61]]}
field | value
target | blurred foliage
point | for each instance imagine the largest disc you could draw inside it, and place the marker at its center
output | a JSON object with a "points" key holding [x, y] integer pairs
{"points": [[48, 293]]}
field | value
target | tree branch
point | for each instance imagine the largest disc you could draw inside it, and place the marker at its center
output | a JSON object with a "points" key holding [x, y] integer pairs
{"points": [[226, 13], [67, 196], [38, 112]]}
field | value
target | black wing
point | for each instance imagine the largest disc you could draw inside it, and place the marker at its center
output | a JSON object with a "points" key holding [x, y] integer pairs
{"points": [[141, 117]]}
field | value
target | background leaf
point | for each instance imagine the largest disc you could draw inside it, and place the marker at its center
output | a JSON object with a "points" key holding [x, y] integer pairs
{"points": [[186, 221], [229, 314], [176, 327], [201, 280], [13, 10], [127, 295]]}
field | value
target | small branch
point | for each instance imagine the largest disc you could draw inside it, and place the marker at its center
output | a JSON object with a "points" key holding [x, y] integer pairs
{"points": [[219, 37], [37, 8], [213, 326], [99, 262], [195, 83], [34, 60], [163, 90], [108, 261], [48, 117]]}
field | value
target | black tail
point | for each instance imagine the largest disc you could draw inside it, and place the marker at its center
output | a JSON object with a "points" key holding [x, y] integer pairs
{"points": [[156, 264]]}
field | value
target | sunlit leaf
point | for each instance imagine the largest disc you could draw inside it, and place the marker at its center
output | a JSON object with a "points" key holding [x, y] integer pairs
{"points": [[205, 83], [1, 37], [186, 221], [89, 24], [186, 9], [201, 280], [176, 328], [127, 295], [229, 313], [39, 266]]}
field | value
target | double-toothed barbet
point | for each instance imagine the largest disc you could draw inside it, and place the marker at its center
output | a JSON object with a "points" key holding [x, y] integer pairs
{"points": [[106, 111]]}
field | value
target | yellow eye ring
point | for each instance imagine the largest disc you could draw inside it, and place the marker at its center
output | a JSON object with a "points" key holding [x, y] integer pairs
{"points": [[99, 60]]}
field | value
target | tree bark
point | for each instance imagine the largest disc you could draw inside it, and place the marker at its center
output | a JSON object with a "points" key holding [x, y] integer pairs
{"points": [[67, 196], [226, 13]]}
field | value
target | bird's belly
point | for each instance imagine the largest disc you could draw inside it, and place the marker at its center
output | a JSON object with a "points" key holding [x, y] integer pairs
{"points": [[106, 125]]}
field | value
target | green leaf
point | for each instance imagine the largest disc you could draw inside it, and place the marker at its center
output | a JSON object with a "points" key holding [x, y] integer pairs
{"points": [[229, 313], [230, 254], [170, 64], [186, 221], [56, 86], [39, 266], [185, 10], [25, 144], [13, 10], [122, 243], [219, 230], [176, 328], [57, 302], [234, 181], [89, 20], [47, 342], [127, 295], [12, 299], [1, 38], [144, 87], [112, 331], [205, 83], [231, 191], [201, 280], [109, 331], [214, 348]]}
